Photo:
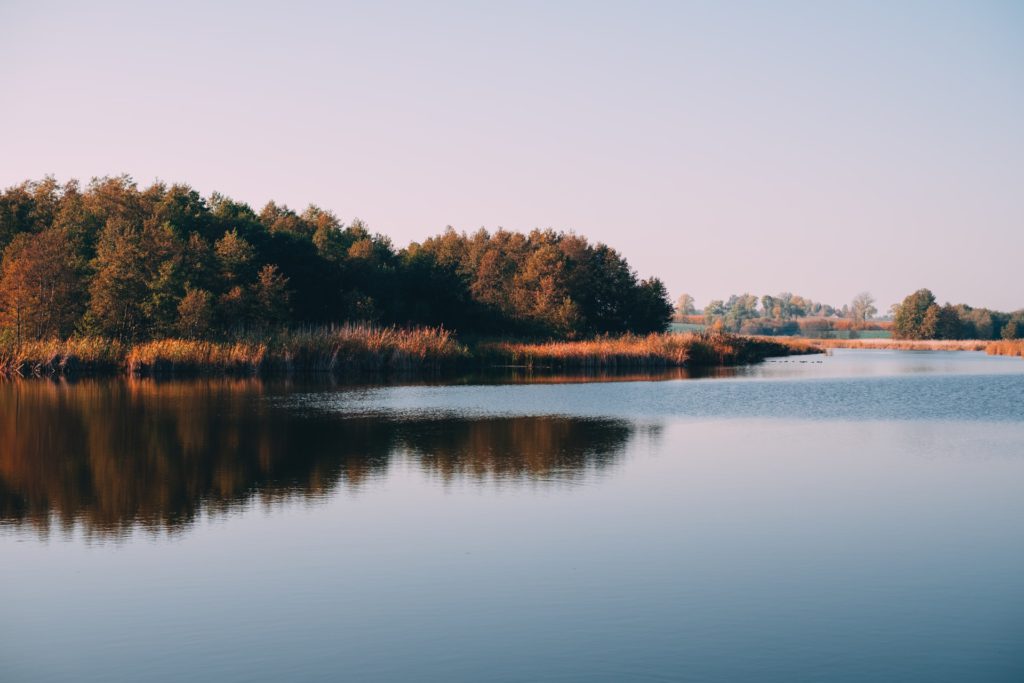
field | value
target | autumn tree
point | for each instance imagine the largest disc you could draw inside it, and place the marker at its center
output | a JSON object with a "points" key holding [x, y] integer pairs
{"points": [[40, 285], [195, 314]]}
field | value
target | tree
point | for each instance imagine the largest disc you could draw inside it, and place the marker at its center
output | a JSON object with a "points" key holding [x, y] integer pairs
{"points": [[714, 311], [685, 305], [138, 280], [235, 255], [195, 314], [862, 309], [929, 328], [652, 310], [271, 296], [40, 285], [909, 320], [947, 324]]}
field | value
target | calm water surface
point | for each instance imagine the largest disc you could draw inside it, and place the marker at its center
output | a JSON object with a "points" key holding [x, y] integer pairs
{"points": [[856, 517]]}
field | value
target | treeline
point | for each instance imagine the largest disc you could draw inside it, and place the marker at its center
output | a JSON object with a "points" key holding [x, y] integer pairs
{"points": [[779, 314], [919, 316], [130, 263]]}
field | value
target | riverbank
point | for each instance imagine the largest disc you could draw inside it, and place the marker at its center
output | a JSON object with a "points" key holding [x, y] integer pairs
{"points": [[1013, 347], [700, 349], [354, 349]]}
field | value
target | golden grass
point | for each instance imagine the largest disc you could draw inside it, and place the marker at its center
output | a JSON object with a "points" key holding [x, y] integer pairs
{"points": [[170, 356], [321, 350], [701, 349], [58, 357], [906, 344], [1008, 347], [366, 348], [325, 350]]}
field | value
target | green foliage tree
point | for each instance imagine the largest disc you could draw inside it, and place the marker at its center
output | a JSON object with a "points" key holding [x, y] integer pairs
{"points": [[119, 286], [271, 296], [947, 324], [914, 317], [235, 256]]}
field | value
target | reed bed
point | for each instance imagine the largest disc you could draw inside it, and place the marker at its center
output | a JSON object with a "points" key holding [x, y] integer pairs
{"points": [[346, 348], [85, 355], [355, 349], [906, 344], [702, 349], [367, 348], [1009, 347], [186, 356]]}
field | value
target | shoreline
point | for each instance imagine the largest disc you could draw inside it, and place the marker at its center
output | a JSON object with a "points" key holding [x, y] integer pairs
{"points": [[994, 347], [359, 350]]}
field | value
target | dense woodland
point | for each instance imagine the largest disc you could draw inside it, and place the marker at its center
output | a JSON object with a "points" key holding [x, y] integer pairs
{"points": [[115, 260]]}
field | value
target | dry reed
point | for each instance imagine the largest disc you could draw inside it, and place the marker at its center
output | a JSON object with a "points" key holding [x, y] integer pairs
{"points": [[701, 349], [349, 348], [906, 344], [59, 357], [1006, 347], [365, 348], [185, 356]]}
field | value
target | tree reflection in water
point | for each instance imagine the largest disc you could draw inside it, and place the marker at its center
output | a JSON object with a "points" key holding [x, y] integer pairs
{"points": [[112, 455]]}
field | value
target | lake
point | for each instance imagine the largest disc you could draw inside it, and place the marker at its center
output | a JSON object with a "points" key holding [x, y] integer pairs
{"points": [[855, 517]]}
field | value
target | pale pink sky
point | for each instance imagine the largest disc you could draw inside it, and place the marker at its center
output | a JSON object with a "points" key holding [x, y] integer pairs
{"points": [[820, 148]]}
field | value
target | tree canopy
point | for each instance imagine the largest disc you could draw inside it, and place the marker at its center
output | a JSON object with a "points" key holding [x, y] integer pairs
{"points": [[919, 316], [134, 263]]}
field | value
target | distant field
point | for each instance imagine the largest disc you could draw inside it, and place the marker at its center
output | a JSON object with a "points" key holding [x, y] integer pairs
{"points": [[685, 327]]}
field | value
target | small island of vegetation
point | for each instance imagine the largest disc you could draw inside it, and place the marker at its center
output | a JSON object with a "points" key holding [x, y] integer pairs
{"points": [[160, 279]]}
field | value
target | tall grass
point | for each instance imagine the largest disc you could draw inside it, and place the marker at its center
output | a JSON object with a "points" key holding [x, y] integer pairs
{"points": [[702, 349], [58, 357], [365, 348], [321, 350], [906, 344], [1008, 347], [185, 356]]}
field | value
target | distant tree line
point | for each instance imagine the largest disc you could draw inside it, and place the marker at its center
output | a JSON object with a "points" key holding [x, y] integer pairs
{"points": [[783, 313], [115, 260], [919, 316]]}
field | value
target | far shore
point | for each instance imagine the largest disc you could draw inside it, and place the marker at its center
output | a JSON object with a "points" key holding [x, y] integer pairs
{"points": [[1013, 347]]}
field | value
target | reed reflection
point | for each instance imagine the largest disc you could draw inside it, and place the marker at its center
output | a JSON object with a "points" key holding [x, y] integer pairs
{"points": [[110, 456]]}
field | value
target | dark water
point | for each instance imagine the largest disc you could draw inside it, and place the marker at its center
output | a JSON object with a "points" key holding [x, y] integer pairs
{"points": [[853, 518]]}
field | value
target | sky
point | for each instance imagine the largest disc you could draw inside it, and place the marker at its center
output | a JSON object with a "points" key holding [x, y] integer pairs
{"points": [[725, 147]]}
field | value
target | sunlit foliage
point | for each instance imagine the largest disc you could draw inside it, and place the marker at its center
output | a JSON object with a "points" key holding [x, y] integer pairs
{"points": [[130, 263]]}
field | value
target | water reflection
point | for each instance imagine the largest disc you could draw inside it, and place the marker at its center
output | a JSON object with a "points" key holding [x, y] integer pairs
{"points": [[112, 455]]}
